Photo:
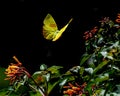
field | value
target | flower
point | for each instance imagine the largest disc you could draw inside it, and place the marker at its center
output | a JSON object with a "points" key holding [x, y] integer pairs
{"points": [[75, 89], [118, 18], [104, 21], [91, 33], [15, 72]]}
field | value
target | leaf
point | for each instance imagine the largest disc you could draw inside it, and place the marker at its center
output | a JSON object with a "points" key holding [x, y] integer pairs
{"points": [[91, 60], [102, 78], [116, 44], [55, 71], [118, 89], [101, 65], [89, 70], [62, 82], [3, 92], [82, 69], [75, 69], [43, 67], [51, 86], [31, 93], [100, 40], [84, 58], [3, 83], [39, 78]]}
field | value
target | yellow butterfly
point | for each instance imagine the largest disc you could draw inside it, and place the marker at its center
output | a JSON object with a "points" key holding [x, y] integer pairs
{"points": [[50, 29]]}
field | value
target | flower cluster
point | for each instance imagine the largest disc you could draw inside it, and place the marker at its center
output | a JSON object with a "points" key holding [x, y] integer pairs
{"points": [[75, 89], [104, 22], [15, 72], [118, 18], [90, 34]]}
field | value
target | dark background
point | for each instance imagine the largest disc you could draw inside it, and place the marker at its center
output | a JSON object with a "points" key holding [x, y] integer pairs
{"points": [[21, 30]]}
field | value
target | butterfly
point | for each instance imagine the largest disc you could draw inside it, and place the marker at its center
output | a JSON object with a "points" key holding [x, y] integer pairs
{"points": [[50, 28]]}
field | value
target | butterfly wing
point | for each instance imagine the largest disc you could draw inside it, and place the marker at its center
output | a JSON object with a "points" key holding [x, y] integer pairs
{"points": [[49, 27], [60, 32]]}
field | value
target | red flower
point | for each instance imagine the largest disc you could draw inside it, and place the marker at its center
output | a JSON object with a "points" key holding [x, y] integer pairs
{"points": [[90, 34], [118, 18]]}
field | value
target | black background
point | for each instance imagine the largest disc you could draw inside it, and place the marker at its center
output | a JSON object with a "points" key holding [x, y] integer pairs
{"points": [[21, 30]]}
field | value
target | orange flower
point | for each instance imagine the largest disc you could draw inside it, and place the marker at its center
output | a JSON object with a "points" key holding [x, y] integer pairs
{"points": [[15, 71], [74, 89], [70, 92]]}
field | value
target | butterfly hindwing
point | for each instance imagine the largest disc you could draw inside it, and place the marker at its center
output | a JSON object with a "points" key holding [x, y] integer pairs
{"points": [[58, 35]]}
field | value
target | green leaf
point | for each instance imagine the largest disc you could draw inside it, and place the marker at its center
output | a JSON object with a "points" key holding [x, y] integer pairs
{"points": [[31, 93], [43, 67], [101, 65], [118, 89], [51, 86], [89, 70], [82, 69], [100, 30], [84, 58], [75, 69], [55, 71], [101, 78], [3, 83], [39, 77], [63, 82], [3, 92]]}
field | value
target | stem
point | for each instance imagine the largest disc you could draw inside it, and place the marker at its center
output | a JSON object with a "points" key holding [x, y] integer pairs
{"points": [[32, 87], [41, 91], [19, 63]]}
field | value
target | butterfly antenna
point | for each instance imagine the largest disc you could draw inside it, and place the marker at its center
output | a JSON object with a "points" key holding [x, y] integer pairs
{"points": [[70, 20]]}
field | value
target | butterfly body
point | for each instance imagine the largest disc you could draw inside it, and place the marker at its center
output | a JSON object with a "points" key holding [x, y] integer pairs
{"points": [[50, 29]]}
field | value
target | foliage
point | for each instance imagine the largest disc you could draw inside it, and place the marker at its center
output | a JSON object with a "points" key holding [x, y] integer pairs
{"points": [[97, 74]]}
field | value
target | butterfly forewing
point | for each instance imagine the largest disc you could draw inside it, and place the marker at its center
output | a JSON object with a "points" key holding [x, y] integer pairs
{"points": [[49, 27]]}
